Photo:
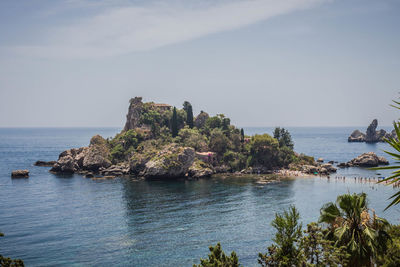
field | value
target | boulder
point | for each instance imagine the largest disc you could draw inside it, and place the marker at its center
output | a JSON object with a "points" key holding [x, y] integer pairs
{"points": [[171, 162], [320, 160], [116, 170], [326, 168], [329, 167], [200, 169], [138, 161], [369, 159], [20, 174], [42, 163], [96, 158], [356, 136], [310, 169], [81, 159], [70, 161], [342, 165]]}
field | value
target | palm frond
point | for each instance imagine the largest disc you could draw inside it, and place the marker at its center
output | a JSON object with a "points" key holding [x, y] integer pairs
{"points": [[395, 201]]}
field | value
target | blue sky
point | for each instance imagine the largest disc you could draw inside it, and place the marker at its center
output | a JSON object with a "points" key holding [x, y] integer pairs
{"points": [[261, 62]]}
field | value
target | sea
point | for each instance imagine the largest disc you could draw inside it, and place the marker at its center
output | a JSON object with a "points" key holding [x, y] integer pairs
{"points": [[53, 220]]}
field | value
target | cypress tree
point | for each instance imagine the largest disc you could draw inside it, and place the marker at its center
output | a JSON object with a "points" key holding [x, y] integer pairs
{"points": [[242, 135], [174, 123], [189, 116], [186, 105]]}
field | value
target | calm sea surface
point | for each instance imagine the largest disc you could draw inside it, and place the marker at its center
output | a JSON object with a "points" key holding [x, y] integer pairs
{"points": [[54, 220]]}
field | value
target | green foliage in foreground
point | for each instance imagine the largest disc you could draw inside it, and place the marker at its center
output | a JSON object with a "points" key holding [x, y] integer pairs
{"points": [[284, 252], [217, 258], [348, 236], [394, 142], [352, 225], [7, 262]]}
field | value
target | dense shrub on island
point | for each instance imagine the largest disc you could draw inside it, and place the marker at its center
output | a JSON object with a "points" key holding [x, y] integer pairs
{"points": [[155, 130], [348, 234]]}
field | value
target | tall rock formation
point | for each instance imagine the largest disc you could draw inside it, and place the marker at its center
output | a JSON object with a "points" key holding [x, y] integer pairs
{"points": [[372, 135], [134, 111]]}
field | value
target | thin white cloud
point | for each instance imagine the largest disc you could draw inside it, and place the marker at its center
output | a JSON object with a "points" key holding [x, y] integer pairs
{"points": [[130, 28]]}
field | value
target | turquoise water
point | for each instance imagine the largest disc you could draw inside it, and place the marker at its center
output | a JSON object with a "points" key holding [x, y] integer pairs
{"points": [[72, 221]]}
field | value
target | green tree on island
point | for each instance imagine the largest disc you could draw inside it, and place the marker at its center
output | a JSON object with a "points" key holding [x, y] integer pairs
{"points": [[189, 116], [174, 123], [186, 105], [284, 138]]}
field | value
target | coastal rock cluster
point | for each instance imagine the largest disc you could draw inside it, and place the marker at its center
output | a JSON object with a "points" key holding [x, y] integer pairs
{"points": [[369, 159], [372, 135], [200, 146], [170, 162], [321, 168], [92, 158]]}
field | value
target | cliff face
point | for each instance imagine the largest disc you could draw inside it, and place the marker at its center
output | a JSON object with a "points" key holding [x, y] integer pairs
{"points": [[134, 111]]}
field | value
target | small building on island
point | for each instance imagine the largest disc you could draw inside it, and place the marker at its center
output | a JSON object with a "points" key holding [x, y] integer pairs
{"points": [[163, 107]]}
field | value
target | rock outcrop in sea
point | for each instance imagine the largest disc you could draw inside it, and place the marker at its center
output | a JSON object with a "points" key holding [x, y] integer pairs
{"points": [[372, 135], [20, 174], [84, 159], [369, 159]]}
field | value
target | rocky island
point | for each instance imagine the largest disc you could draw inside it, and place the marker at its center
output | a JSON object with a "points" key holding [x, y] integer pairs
{"points": [[161, 141], [372, 135], [369, 159]]}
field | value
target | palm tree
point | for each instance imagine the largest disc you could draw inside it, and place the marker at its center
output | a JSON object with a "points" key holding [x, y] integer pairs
{"points": [[352, 225], [394, 142]]}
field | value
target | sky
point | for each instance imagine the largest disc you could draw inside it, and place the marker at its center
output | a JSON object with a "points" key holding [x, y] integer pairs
{"points": [[76, 63]]}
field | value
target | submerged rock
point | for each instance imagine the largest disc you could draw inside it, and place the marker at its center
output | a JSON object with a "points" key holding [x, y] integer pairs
{"points": [[42, 163], [20, 174]]}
